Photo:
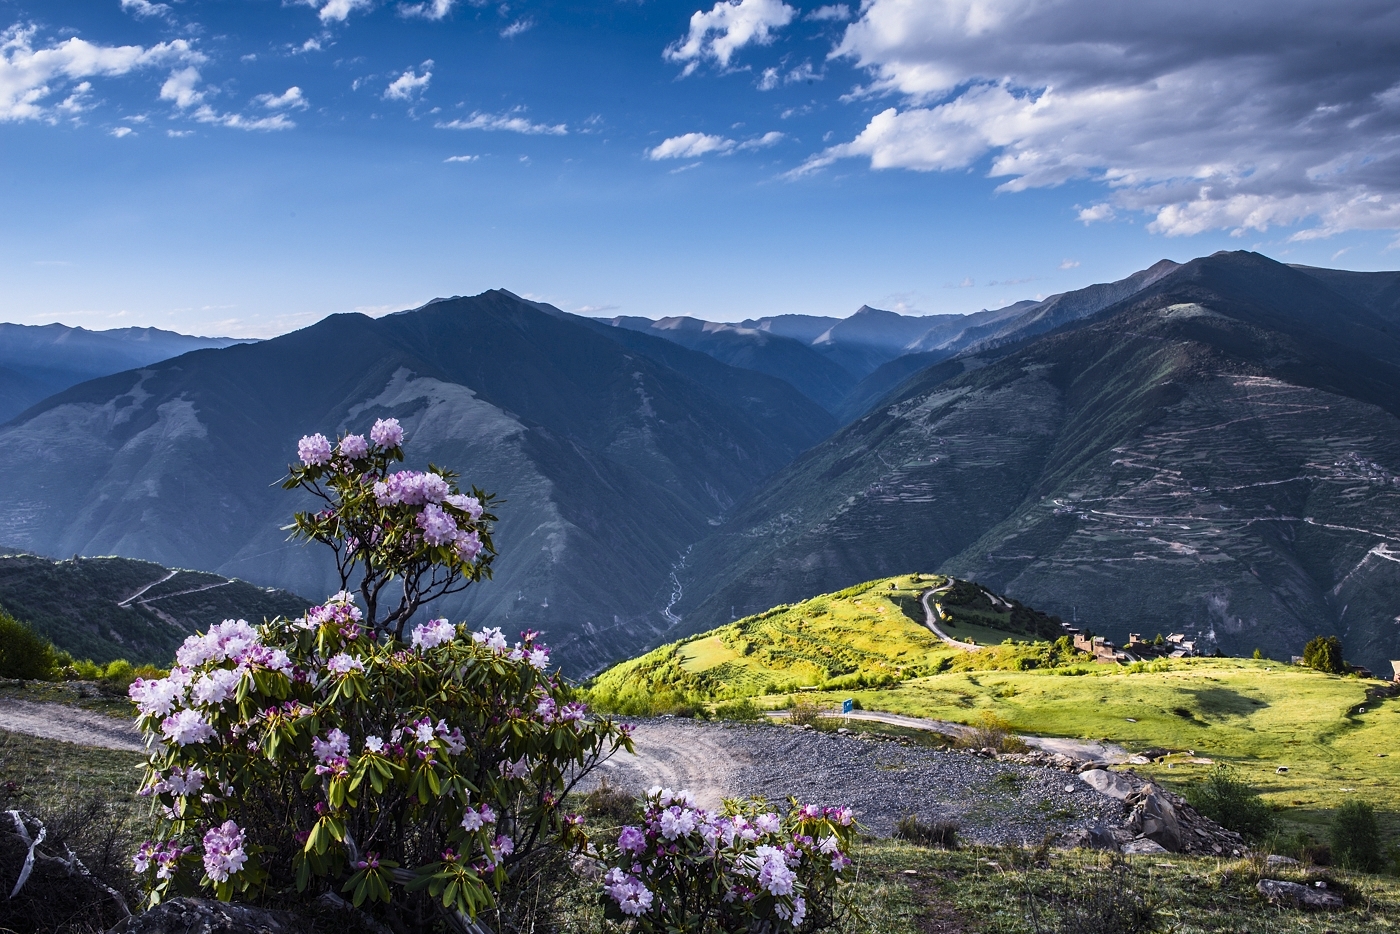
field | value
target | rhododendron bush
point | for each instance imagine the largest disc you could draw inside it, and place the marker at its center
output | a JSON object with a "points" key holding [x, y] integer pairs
{"points": [[745, 869], [353, 750]]}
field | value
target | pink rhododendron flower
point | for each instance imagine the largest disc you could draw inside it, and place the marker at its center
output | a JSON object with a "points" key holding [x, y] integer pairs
{"points": [[223, 851], [353, 446], [433, 633], [438, 527], [155, 697], [185, 727], [491, 638], [314, 450], [386, 433], [468, 504], [336, 745], [343, 664], [216, 686]]}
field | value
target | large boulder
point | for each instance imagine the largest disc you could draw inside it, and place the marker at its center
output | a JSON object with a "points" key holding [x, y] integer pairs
{"points": [[1158, 822], [1291, 894], [206, 916], [1107, 783]]}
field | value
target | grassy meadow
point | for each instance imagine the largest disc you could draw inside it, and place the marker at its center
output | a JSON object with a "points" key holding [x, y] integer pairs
{"points": [[1336, 736]]}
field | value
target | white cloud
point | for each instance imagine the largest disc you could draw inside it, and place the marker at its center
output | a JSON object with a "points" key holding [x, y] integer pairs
{"points": [[517, 27], [207, 114], [408, 84], [290, 99], [145, 8], [836, 11], [461, 159], [338, 10], [434, 10], [180, 88], [695, 145], [728, 27], [689, 146], [771, 138], [772, 77], [121, 131], [177, 134], [29, 75], [1200, 114], [512, 122], [1098, 212], [1069, 263]]}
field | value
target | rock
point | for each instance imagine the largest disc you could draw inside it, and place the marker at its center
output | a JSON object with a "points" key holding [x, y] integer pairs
{"points": [[1089, 838], [207, 916], [1159, 823], [1107, 783], [1274, 861], [1142, 846], [1139, 760], [1278, 892]]}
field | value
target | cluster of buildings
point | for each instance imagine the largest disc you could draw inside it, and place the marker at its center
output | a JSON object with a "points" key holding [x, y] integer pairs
{"points": [[1138, 649]]}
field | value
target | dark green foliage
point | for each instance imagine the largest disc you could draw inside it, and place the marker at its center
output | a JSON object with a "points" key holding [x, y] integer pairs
{"points": [[940, 834], [24, 653], [1226, 799], [1324, 654], [1356, 838], [744, 710]]}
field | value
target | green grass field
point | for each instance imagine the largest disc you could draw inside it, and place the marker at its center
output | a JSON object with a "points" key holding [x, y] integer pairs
{"points": [[1337, 736]]}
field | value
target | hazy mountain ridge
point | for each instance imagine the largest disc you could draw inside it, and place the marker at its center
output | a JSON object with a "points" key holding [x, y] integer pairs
{"points": [[1057, 470], [611, 464], [37, 361]]}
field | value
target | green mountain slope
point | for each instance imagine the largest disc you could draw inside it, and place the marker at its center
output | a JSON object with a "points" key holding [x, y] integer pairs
{"points": [[106, 608], [1217, 454], [872, 634]]}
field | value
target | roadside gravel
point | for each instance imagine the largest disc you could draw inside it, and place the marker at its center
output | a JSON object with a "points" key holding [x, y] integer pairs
{"points": [[992, 802]]}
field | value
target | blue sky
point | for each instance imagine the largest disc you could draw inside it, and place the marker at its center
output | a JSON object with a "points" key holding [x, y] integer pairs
{"points": [[246, 167]]}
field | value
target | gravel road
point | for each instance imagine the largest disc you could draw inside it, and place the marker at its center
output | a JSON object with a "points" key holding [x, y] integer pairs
{"points": [[71, 724], [992, 802]]}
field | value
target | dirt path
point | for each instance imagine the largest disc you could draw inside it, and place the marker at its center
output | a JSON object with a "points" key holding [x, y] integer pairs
{"points": [[70, 724], [702, 763], [932, 614]]}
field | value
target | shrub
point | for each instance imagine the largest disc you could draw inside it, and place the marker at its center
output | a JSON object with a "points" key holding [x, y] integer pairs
{"points": [[611, 804], [804, 713], [991, 732], [1324, 654], [743, 710], [1356, 838], [24, 653], [940, 834], [422, 769], [744, 870], [1229, 801]]}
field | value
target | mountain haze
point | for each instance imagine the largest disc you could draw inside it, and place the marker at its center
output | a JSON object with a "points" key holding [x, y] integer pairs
{"points": [[611, 464], [37, 361]]}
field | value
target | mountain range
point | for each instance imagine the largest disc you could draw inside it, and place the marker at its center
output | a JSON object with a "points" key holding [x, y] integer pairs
{"points": [[37, 361], [1211, 447], [1217, 451]]}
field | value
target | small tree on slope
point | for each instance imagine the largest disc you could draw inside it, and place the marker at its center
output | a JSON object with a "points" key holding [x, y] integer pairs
{"points": [[342, 751]]}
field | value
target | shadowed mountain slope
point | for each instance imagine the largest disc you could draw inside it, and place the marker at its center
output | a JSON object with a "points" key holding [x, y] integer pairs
{"points": [[106, 608], [1220, 453], [38, 361], [611, 463]]}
